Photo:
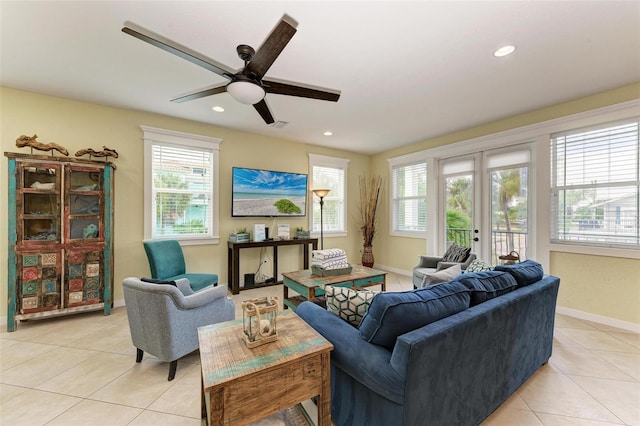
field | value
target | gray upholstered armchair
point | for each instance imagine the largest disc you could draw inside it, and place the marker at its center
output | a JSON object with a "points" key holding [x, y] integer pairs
{"points": [[431, 264], [164, 319]]}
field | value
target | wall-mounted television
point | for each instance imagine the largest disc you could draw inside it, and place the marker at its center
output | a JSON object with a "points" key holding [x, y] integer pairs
{"points": [[266, 193]]}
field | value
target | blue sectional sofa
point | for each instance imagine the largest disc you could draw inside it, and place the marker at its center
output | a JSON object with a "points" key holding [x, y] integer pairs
{"points": [[448, 354]]}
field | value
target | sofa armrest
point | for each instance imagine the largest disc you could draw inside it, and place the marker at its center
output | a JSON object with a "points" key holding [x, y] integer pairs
{"points": [[471, 258], [429, 261], [367, 363], [202, 297]]}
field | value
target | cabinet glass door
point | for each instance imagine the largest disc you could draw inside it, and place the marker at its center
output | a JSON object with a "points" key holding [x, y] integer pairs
{"points": [[39, 204], [85, 204]]}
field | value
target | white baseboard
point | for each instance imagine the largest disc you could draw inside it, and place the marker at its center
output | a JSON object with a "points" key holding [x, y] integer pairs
{"points": [[611, 322], [394, 270]]}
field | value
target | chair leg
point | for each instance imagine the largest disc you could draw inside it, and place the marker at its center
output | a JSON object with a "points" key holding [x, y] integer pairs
{"points": [[139, 354], [172, 369]]}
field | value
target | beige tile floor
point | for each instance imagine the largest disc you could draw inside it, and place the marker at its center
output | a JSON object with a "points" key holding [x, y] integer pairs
{"points": [[81, 370]]}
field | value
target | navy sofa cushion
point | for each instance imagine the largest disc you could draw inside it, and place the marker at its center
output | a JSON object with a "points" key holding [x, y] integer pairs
{"points": [[395, 313], [525, 273], [487, 284]]}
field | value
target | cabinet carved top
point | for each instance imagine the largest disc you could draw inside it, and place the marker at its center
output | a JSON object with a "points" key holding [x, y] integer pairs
{"points": [[52, 158]]}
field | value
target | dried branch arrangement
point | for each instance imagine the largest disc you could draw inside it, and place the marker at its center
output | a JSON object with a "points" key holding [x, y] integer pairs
{"points": [[370, 189]]}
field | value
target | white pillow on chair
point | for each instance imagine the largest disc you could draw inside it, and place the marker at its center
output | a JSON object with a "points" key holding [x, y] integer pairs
{"points": [[442, 276]]}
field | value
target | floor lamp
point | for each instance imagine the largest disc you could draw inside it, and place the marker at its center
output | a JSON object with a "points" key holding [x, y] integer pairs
{"points": [[321, 193]]}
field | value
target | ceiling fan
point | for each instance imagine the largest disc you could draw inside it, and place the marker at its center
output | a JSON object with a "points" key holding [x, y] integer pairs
{"points": [[247, 85]]}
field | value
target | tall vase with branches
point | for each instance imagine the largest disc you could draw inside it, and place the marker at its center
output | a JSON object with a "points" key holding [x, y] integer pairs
{"points": [[370, 192]]}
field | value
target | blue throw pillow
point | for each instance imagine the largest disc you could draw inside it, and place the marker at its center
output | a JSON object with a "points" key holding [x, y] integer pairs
{"points": [[395, 313], [487, 285], [525, 273]]}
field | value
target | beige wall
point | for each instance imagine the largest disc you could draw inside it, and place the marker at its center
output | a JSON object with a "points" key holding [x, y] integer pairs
{"points": [[608, 287], [77, 125], [601, 285]]}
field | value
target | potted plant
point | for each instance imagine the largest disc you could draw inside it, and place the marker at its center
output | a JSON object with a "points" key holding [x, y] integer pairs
{"points": [[301, 233], [370, 189], [240, 235]]}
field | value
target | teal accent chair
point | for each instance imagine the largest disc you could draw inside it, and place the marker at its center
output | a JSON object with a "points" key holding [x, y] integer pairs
{"points": [[167, 263]]}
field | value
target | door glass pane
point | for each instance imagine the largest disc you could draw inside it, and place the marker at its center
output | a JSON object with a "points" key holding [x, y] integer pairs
{"points": [[509, 212], [459, 213]]}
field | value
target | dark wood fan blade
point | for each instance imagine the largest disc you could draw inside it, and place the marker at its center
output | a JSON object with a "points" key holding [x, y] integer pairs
{"points": [[178, 50], [201, 93], [271, 48], [294, 89], [263, 110]]}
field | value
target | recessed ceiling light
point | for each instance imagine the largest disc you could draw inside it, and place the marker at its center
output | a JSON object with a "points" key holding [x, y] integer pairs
{"points": [[218, 109], [328, 133], [504, 51]]}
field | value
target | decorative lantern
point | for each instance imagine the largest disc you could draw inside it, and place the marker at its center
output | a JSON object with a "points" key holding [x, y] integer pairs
{"points": [[259, 320]]}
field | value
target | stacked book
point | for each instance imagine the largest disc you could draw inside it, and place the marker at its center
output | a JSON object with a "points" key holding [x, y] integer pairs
{"points": [[334, 260]]}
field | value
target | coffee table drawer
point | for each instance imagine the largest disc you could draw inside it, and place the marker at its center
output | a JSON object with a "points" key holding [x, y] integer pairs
{"points": [[369, 281], [276, 389]]}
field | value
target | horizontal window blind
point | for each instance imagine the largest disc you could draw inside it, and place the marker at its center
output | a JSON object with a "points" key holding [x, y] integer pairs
{"points": [[332, 178], [595, 185], [182, 189], [409, 194]]}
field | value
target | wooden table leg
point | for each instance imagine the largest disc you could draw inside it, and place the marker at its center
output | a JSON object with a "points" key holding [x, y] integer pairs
{"points": [[285, 293], [203, 403], [324, 399], [216, 407]]}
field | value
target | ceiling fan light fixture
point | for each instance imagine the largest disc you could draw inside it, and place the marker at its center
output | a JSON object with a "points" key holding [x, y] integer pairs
{"points": [[246, 92], [504, 51]]}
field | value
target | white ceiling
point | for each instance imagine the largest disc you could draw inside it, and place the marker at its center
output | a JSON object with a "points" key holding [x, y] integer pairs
{"points": [[408, 71]]}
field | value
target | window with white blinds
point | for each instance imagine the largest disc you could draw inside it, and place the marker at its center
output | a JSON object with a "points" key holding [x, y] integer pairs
{"points": [[595, 185], [409, 197], [182, 187], [329, 173]]}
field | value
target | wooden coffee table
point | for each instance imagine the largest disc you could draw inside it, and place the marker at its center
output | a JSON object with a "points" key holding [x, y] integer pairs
{"points": [[242, 385], [310, 286]]}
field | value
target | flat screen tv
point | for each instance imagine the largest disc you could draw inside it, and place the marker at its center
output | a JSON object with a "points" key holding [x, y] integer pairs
{"points": [[266, 193]]}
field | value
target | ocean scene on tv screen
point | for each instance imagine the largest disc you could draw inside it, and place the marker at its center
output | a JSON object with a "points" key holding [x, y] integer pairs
{"points": [[268, 193]]}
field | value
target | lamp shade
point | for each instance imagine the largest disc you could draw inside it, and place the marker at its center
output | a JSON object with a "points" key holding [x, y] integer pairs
{"points": [[321, 192], [246, 92]]}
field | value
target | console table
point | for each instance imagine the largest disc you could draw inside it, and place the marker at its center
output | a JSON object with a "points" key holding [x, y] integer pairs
{"points": [[233, 250]]}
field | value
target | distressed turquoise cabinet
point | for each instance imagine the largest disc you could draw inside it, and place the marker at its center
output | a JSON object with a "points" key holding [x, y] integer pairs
{"points": [[60, 236]]}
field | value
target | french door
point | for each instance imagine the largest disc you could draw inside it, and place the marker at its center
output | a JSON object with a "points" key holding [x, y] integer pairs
{"points": [[484, 202]]}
